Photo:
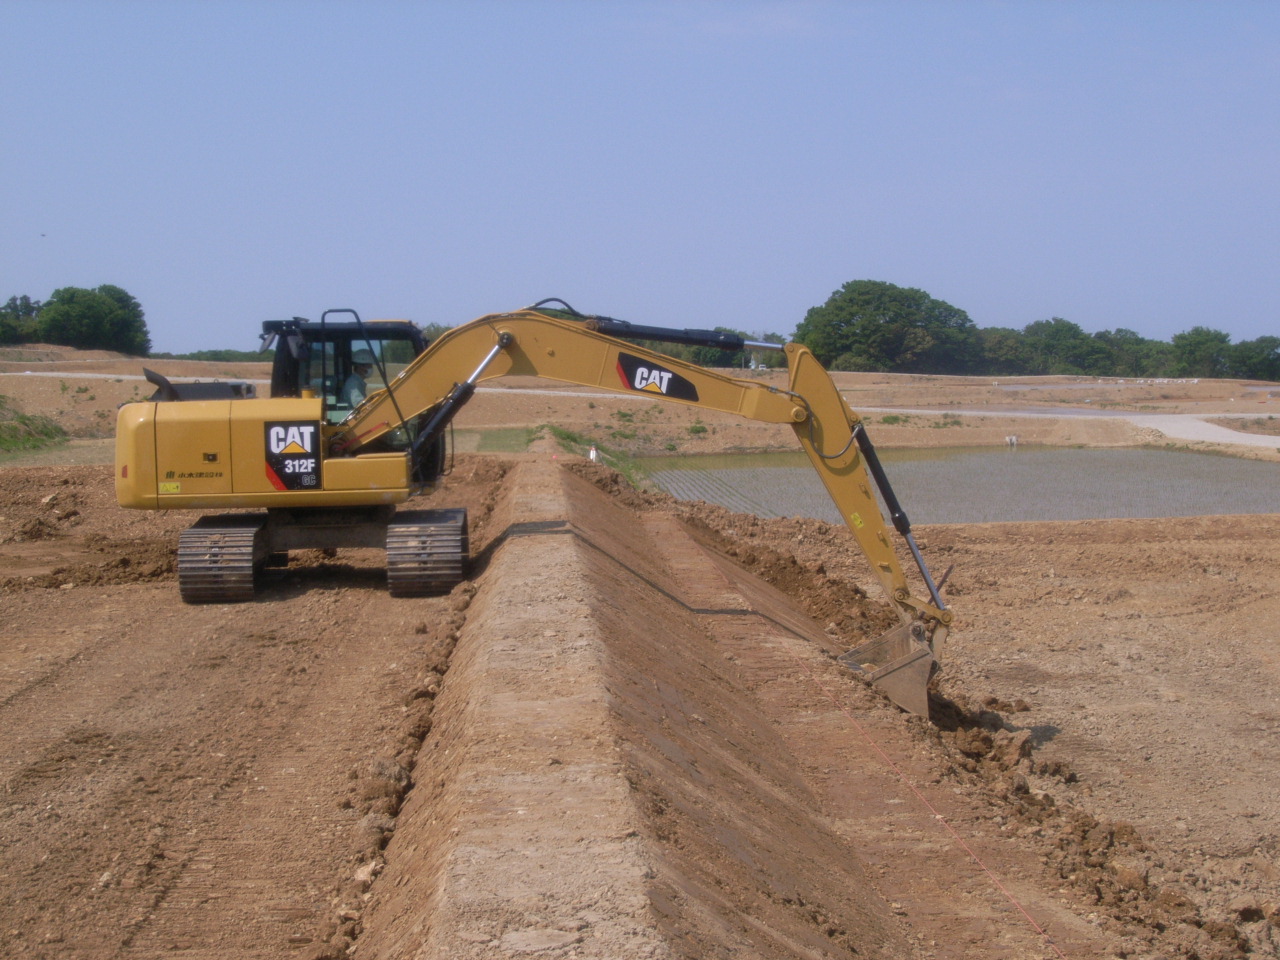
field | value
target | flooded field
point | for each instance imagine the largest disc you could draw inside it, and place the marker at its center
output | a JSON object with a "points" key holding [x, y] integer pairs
{"points": [[975, 485]]}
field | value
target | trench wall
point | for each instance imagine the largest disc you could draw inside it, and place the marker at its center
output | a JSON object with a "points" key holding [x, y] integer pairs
{"points": [[598, 778]]}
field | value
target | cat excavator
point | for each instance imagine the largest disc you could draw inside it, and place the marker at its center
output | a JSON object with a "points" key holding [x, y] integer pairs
{"points": [[318, 464]]}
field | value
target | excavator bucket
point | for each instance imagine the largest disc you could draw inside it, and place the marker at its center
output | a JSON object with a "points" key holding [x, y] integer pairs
{"points": [[899, 664]]}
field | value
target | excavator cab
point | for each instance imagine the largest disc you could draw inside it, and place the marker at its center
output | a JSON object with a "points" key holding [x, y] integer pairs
{"points": [[341, 362], [327, 359]]}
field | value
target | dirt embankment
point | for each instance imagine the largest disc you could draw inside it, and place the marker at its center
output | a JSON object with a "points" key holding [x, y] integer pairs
{"points": [[81, 389], [627, 737]]}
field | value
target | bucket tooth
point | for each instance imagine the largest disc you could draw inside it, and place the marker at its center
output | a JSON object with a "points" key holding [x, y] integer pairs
{"points": [[899, 664]]}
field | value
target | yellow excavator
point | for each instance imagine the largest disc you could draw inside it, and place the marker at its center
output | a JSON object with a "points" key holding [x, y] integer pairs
{"points": [[356, 425]]}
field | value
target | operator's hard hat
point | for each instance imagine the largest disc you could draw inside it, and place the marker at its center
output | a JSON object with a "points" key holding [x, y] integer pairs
{"points": [[363, 357]]}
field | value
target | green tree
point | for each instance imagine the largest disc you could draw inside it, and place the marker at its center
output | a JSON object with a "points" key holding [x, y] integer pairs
{"points": [[716, 357], [1160, 358], [18, 320], [1256, 359], [433, 330], [219, 356], [681, 351], [1059, 346], [873, 325], [131, 326], [1202, 352], [1132, 355], [105, 318], [1004, 351]]}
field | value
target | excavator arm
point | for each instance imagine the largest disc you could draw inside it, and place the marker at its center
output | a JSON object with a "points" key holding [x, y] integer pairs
{"points": [[533, 343]]}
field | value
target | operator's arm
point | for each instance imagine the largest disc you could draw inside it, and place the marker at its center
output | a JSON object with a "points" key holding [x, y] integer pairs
{"points": [[352, 392]]}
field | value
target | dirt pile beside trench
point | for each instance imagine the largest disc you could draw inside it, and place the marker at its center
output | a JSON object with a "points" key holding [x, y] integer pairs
{"points": [[61, 528]]}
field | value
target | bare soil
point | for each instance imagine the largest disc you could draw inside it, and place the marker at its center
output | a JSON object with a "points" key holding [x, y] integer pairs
{"points": [[82, 389], [626, 735], [1267, 426]]}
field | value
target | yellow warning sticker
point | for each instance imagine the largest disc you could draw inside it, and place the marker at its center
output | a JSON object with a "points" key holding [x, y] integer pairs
{"points": [[170, 487]]}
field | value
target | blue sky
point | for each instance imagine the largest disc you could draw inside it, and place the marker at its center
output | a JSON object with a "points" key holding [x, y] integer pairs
{"points": [[682, 164]]}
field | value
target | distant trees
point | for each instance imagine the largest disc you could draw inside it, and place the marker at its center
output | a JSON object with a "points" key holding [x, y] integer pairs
{"points": [[865, 325], [1003, 351], [1059, 346], [218, 356], [1257, 359], [1202, 352], [104, 318], [1128, 354], [769, 359], [431, 331], [706, 356], [872, 325], [18, 320]]}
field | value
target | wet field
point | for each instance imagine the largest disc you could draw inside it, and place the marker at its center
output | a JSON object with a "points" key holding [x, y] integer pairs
{"points": [[977, 485]]}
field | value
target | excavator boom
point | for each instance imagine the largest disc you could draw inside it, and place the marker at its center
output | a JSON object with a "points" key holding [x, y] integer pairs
{"points": [[336, 484], [533, 343]]}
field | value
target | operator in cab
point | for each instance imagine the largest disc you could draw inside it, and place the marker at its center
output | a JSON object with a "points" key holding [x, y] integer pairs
{"points": [[355, 387]]}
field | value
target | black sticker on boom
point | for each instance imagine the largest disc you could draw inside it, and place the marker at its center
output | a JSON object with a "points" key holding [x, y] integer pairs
{"points": [[647, 377], [293, 461]]}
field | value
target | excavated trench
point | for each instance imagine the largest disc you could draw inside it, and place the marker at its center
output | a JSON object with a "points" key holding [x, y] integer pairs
{"points": [[632, 755]]}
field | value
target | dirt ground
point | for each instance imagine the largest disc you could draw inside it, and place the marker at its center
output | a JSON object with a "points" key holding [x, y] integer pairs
{"points": [[626, 735]]}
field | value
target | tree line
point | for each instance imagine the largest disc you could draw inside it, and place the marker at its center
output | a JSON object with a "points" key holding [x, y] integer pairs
{"points": [[866, 325], [875, 326], [104, 318]]}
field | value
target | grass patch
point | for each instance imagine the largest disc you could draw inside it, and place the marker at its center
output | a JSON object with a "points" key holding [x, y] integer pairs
{"points": [[21, 431], [505, 440], [577, 444]]}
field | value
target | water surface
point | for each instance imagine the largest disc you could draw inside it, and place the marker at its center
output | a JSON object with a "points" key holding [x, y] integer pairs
{"points": [[973, 485]]}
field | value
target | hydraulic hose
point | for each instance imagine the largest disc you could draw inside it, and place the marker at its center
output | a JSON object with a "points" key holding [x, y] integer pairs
{"points": [[899, 516]]}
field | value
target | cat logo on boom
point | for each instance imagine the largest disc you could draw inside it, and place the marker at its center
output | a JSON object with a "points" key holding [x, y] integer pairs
{"points": [[292, 462], [647, 377]]}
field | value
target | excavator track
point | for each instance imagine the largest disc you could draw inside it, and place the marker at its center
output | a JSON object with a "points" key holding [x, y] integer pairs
{"points": [[217, 558], [427, 551]]}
